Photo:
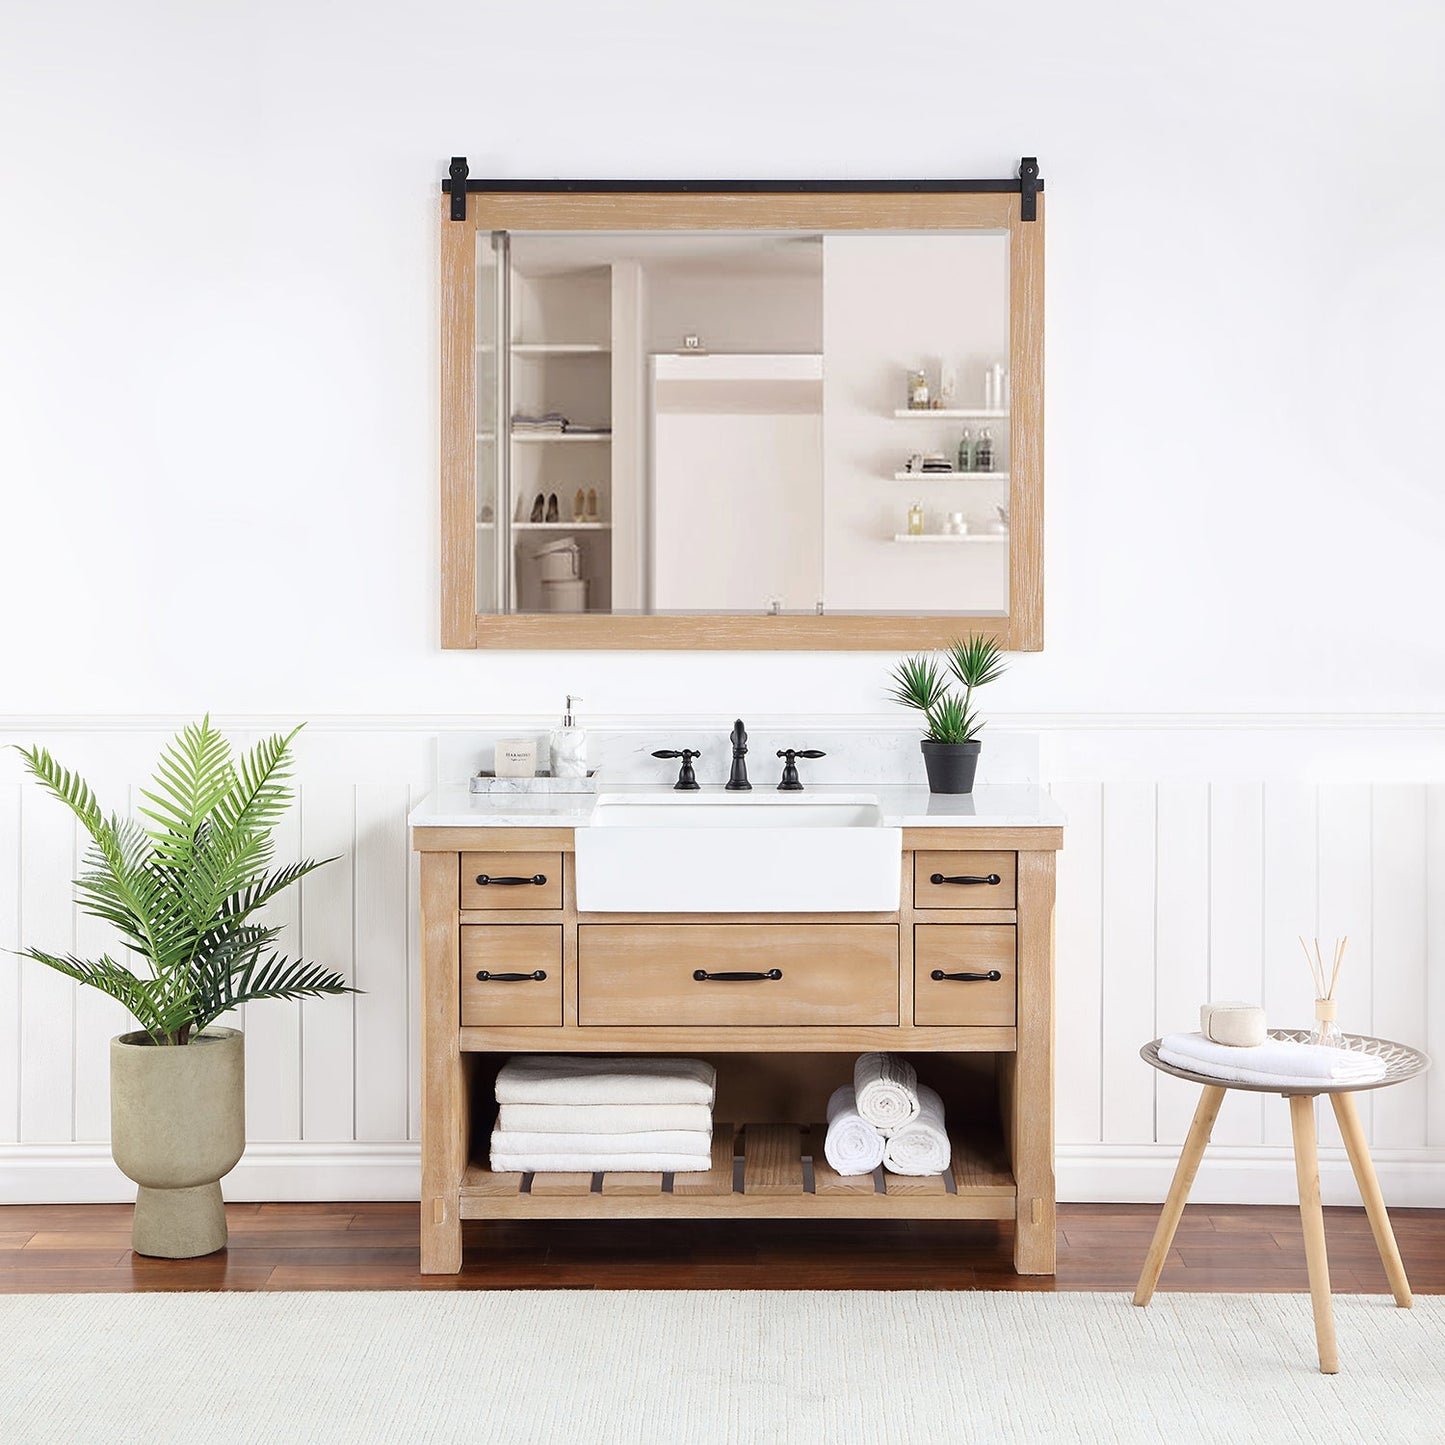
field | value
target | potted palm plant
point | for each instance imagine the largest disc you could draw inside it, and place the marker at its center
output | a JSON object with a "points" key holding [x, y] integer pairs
{"points": [[183, 889], [951, 746]]}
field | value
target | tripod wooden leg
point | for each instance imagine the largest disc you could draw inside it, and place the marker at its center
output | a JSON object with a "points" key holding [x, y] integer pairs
{"points": [[1312, 1216], [1198, 1136], [1364, 1167]]}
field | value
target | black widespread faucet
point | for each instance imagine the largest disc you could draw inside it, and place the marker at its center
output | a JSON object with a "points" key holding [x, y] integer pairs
{"points": [[738, 779]]}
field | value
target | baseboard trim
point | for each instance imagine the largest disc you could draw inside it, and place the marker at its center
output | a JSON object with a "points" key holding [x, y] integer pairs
{"points": [[1257, 1174], [290, 1172], [1087, 1174]]}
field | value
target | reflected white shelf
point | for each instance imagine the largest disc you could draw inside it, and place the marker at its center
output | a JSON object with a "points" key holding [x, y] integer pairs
{"points": [[561, 526], [951, 537], [953, 413], [951, 476], [564, 436], [560, 348]]}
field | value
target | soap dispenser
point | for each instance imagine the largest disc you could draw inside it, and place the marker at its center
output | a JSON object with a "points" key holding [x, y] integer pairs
{"points": [[569, 745]]}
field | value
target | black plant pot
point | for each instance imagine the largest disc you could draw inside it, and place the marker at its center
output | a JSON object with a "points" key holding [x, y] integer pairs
{"points": [[951, 766]]}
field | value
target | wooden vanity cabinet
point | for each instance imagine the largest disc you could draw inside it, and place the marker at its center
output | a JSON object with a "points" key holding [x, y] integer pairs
{"points": [[960, 978]]}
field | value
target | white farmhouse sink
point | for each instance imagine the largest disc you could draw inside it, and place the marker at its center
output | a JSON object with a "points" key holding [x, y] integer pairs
{"points": [[737, 853]]}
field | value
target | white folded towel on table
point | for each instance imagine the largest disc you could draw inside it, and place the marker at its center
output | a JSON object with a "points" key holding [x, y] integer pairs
{"points": [[1278, 1062], [920, 1147], [645, 1163], [602, 1118], [658, 1141], [852, 1145], [887, 1090], [581, 1079]]}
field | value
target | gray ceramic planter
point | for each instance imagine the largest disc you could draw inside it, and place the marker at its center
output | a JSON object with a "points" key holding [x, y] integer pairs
{"points": [[177, 1124], [951, 766]]}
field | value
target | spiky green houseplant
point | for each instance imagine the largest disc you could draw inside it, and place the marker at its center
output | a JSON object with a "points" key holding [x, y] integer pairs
{"points": [[184, 887], [952, 723]]}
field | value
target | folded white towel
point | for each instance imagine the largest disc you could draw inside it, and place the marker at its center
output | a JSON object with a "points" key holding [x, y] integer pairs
{"points": [[581, 1079], [599, 1163], [602, 1118], [658, 1141], [920, 1147], [853, 1145], [1278, 1061], [887, 1090]]}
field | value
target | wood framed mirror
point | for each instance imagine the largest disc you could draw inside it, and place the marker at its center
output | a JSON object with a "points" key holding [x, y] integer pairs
{"points": [[741, 415]]}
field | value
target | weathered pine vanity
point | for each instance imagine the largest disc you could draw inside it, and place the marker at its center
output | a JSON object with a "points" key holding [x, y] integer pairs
{"points": [[957, 974]]}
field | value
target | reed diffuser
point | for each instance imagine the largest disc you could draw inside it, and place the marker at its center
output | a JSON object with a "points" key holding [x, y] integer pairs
{"points": [[1326, 1030]]}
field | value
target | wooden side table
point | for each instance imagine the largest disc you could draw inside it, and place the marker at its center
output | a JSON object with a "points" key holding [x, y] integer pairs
{"points": [[1401, 1063]]}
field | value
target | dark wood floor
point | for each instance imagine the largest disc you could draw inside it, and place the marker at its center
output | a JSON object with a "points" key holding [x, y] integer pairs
{"points": [[55, 1248]]}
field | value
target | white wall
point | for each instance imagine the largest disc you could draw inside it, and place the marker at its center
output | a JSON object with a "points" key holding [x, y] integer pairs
{"points": [[218, 375]]}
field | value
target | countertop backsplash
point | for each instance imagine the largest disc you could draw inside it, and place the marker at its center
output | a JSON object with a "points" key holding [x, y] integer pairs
{"points": [[856, 756]]}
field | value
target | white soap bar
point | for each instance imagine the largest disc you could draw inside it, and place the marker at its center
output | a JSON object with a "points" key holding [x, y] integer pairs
{"points": [[1240, 1024]]}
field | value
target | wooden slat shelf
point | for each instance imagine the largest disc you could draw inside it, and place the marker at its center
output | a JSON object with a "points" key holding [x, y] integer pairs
{"points": [[783, 1176]]}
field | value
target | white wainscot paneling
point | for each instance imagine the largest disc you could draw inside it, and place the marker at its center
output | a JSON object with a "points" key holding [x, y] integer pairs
{"points": [[1185, 876]]}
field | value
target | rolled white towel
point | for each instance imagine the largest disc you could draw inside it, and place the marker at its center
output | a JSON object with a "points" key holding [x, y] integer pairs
{"points": [[658, 1141], [600, 1163], [887, 1091], [602, 1118], [920, 1147], [1278, 1061], [853, 1145], [579, 1079]]}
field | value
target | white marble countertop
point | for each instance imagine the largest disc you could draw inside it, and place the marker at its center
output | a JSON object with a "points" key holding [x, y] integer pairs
{"points": [[1023, 805]]}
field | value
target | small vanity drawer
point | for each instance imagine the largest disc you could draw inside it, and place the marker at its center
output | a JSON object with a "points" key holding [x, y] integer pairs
{"points": [[963, 880], [511, 880], [793, 974], [523, 964], [942, 951]]}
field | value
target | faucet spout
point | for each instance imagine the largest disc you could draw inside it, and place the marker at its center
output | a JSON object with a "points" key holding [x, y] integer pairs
{"points": [[738, 779]]}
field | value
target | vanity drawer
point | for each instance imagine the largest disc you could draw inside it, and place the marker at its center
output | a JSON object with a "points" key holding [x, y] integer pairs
{"points": [[824, 974], [981, 880], [964, 948], [508, 949], [511, 880]]}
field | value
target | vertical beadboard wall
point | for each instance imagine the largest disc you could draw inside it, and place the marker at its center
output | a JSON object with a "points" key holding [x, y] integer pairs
{"points": [[1183, 878]]}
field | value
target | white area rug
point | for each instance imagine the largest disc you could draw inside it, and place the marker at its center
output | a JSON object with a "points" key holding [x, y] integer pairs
{"points": [[565, 1366]]}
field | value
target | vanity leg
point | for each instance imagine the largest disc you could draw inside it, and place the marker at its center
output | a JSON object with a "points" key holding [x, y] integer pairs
{"points": [[1359, 1151], [1205, 1113], [1028, 1074], [443, 1083]]}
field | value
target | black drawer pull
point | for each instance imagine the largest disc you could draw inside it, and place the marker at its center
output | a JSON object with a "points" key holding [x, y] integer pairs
{"points": [[484, 977], [486, 881], [992, 976], [703, 976], [992, 878]]}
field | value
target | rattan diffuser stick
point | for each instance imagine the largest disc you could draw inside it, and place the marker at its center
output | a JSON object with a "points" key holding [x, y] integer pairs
{"points": [[1318, 972]]}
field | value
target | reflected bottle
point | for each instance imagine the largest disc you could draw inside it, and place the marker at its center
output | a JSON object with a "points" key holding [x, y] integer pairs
{"points": [[983, 452], [915, 520], [965, 452]]}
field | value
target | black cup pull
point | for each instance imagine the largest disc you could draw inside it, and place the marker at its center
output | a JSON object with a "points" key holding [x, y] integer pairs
{"points": [[992, 976], [992, 878], [487, 881], [484, 977], [703, 976]]}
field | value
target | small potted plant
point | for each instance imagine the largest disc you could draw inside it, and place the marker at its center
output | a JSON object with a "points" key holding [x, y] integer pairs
{"points": [[951, 746], [182, 889]]}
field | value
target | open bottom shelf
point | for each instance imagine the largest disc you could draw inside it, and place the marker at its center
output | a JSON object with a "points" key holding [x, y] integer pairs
{"points": [[759, 1171]]}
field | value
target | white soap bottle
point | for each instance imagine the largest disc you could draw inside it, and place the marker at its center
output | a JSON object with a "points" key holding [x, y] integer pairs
{"points": [[569, 745]]}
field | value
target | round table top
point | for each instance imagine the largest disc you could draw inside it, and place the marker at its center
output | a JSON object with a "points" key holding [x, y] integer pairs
{"points": [[1401, 1063]]}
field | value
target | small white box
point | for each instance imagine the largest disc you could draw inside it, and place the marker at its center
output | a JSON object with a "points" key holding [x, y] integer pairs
{"points": [[516, 758]]}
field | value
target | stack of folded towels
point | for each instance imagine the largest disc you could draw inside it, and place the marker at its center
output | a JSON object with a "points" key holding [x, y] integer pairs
{"points": [[886, 1117], [585, 1115], [1232, 1044]]}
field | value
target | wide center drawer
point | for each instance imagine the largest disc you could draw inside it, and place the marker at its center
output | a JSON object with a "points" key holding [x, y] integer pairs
{"points": [[796, 974]]}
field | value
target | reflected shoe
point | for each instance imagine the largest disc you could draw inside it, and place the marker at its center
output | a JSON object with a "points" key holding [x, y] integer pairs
{"points": [[553, 514], [538, 507]]}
